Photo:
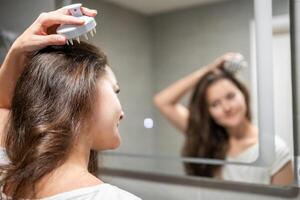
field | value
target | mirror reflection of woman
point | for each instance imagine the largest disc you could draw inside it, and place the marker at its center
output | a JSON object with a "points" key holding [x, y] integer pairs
{"points": [[217, 124]]}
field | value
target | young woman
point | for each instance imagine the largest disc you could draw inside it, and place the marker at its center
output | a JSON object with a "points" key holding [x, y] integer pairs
{"points": [[218, 125], [58, 106]]}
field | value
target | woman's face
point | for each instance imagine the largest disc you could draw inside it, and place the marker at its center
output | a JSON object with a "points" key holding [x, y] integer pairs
{"points": [[106, 113], [227, 105]]}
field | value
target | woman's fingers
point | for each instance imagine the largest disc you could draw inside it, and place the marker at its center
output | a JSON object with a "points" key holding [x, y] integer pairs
{"points": [[39, 41], [46, 20], [230, 55], [54, 39], [43, 31], [84, 10], [62, 16], [89, 12], [218, 63]]}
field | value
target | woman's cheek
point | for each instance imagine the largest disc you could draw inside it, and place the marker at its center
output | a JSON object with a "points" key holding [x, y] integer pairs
{"points": [[215, 114]]}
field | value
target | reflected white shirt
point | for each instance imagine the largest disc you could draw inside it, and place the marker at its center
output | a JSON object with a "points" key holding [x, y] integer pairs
{"points": [[253, 174]]}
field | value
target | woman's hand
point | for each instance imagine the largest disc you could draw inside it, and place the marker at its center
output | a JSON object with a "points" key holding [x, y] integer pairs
{"points": [[218, 63], [38, 35], [42, 32]]}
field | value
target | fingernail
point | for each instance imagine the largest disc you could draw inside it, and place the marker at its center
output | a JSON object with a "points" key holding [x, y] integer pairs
{"points": [[62, 38], [95, 11]]}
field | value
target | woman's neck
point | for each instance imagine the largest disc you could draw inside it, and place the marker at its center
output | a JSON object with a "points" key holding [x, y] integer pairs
{"points": [[241, 138], [79, 155], [243, 130], [72, 174]]}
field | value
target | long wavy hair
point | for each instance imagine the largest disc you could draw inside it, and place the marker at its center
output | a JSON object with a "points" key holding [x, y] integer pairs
{"points": [[205, 138], [53, 97]]}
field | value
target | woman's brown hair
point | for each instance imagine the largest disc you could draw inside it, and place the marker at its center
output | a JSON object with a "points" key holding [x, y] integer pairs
{"points": [[205, 138], [53, 98]]}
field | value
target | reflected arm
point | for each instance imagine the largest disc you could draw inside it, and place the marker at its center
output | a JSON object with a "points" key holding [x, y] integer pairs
{"points": [[167, 101]]}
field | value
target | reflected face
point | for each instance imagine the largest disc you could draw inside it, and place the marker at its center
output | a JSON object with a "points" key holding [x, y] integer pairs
{"points": [[107, 113], [227, 105]]}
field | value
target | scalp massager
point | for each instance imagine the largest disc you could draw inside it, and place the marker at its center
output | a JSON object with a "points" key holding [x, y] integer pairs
{"points": [[74, 32], [236, 64]]}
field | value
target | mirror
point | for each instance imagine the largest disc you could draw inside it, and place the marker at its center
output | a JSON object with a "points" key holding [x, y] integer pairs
{"points": [[151, 49]]}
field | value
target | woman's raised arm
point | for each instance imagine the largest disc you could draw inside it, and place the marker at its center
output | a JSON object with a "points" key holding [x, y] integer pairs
{"points": [[38, 35]]}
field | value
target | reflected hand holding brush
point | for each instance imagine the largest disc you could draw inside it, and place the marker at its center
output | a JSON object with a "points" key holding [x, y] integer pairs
{"points": [[235, 64], [74, 32]]}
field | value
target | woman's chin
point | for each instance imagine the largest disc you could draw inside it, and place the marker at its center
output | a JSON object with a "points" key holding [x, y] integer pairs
{"points": [[117, 142], [232, 124], [117, 145], [111, 144]]}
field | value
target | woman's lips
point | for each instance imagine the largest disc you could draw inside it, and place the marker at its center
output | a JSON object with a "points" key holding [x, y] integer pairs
{"points": [[232, 114]]}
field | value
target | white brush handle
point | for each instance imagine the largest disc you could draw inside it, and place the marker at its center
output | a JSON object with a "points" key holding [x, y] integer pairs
{"points": [[236, 64], [71, 31], [74, 9]]}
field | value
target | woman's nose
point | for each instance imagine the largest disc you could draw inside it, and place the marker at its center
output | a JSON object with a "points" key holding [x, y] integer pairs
{"points": [[122, 115], [226, 107]]}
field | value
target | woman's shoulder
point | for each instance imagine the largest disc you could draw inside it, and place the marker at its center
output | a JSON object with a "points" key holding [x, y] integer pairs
{"points": [[102, 191], [280, 143], [114, 192], [282, 155], [281, 148]]}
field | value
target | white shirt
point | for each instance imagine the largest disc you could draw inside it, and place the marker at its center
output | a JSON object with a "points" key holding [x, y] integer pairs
{"points": [[102, 191], [252, 174]]}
